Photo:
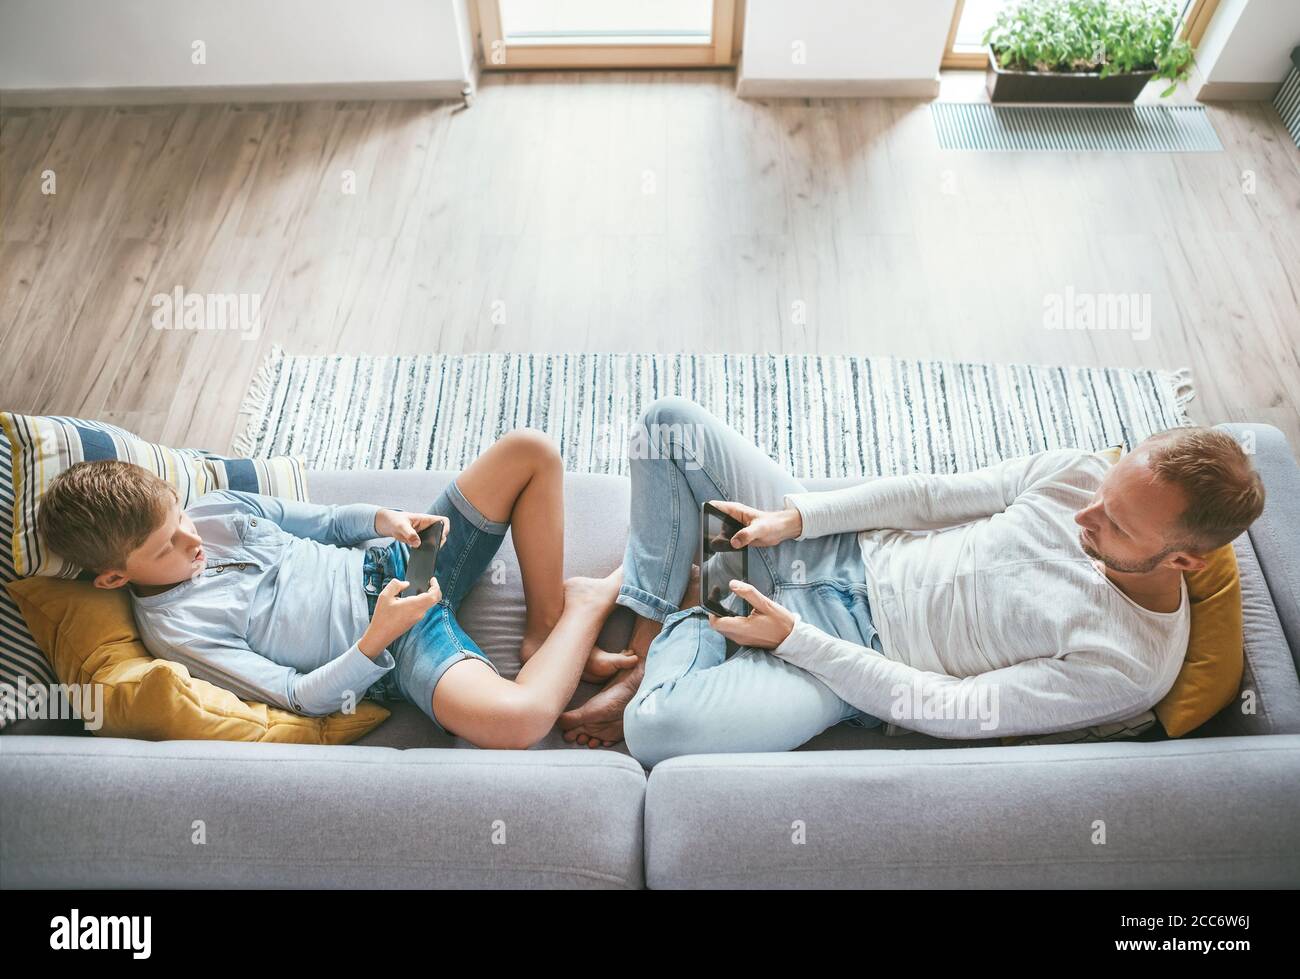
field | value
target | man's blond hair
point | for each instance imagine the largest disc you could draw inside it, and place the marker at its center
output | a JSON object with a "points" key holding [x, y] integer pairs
{"points": [[94, 514], [1224, 492]]}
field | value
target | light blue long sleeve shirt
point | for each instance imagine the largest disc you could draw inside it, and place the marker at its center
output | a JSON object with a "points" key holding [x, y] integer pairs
{"points": [[277, 613]]}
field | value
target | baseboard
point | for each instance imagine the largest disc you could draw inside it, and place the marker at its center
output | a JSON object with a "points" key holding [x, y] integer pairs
{"points": [[330, 91], [832, 88], [1237, 91]]}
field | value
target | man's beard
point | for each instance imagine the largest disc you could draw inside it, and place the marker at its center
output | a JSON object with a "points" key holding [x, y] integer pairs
{"points": [[1121, 566]]}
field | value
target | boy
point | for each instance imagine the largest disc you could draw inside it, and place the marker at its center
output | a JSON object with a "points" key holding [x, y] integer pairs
{"points": [[273, 600]]}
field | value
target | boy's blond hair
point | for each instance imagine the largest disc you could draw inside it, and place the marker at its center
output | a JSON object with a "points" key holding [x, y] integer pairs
{"points": [[94, 514]]}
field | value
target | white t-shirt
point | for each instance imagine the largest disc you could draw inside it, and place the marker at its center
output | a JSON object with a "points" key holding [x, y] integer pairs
{"points": [[994, 621]]}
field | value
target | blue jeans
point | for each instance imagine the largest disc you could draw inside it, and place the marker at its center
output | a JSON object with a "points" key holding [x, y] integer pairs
{"points": [[437, 642], [695, 699]]}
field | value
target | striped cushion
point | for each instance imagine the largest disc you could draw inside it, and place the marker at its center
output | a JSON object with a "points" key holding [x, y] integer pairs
{"points": [[19, 654], [35, 449]]}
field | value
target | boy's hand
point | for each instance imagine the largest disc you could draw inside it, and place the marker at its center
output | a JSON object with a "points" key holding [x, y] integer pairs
{"points": [[394, 615], [404, 526], [762, 528], [765, 627]]}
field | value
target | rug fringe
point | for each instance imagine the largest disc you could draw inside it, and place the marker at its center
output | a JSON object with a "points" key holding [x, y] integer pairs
{"points": [[1184, 390], [255, 402]]}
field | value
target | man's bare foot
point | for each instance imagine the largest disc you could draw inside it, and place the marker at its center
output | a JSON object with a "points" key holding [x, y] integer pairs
{"points": [[599, 722]]}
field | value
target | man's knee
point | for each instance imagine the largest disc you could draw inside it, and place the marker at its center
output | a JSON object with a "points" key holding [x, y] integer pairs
{"points": [[655, 732], [672, 429], [672, 409]]}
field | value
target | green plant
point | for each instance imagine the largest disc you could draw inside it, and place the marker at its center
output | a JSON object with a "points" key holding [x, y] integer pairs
{"points": [[1104, 36]]}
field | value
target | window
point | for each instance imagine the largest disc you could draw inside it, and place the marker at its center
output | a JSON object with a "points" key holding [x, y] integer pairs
{"points": [[972, 18], [607, 33], [965, 39]]}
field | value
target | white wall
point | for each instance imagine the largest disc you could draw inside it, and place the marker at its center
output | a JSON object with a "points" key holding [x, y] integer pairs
{"points": [[845, 40], [73, 44], [1250, 41]]}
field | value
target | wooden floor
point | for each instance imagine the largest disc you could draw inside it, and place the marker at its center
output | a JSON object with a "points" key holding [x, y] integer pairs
{"points": [[639, 211]]}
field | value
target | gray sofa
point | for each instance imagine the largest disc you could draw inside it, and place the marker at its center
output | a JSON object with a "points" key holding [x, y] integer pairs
{"points": [[407, 807]]}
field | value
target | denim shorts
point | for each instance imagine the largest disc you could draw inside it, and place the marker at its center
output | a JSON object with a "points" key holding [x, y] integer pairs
{"points": [[437, 642]]}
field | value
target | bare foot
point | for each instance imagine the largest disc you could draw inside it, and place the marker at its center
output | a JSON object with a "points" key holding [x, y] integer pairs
{"points": [[593, 592], [584, 595], [599, 722]]}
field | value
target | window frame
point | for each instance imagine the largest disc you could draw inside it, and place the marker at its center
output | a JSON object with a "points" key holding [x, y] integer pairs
{"points": [[720, 52]]}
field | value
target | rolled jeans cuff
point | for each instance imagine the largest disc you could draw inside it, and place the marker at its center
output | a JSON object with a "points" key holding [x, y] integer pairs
{"points": [[471, 513], [644, 604]]}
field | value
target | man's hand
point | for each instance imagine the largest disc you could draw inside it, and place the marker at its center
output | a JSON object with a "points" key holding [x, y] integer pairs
{"points": [[405, 527], [765, 627], [762, 528], [394, 615]]}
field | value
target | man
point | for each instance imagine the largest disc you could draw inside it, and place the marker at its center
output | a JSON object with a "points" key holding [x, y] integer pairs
{"points": [[1039, 594]]}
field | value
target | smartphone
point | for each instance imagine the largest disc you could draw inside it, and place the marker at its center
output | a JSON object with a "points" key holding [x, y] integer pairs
{"points": [[719, 561], [421, 560]]}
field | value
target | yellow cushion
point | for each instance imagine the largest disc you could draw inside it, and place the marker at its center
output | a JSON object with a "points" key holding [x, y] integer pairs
{"points": [[89, 636], [1211, 674]]}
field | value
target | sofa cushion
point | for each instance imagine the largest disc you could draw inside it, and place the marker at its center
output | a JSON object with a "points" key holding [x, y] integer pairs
{"points": [[1269, 699], [43, 447], [1192, 812], [1275, 536], [1211, 672], [112, 812], [90, 637]]}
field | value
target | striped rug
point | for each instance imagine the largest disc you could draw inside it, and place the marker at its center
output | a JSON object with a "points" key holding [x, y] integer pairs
{"points": [[1287, 102], [815, 415], [1133, 128]]}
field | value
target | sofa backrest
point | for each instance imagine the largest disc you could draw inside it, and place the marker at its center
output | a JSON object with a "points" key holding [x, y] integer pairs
{"points": [[596, 524]]}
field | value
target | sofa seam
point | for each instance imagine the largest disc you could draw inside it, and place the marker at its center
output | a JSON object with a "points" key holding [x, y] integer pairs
{"points": [[12, 753], [930, 764]]}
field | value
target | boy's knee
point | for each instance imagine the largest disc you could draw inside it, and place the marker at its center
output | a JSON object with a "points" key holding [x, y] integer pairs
{"points": [[519, 721], [535, 444]]}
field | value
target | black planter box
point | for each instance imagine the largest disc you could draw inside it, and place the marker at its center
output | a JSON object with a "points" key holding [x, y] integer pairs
{"points": [[1081, 86]]}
